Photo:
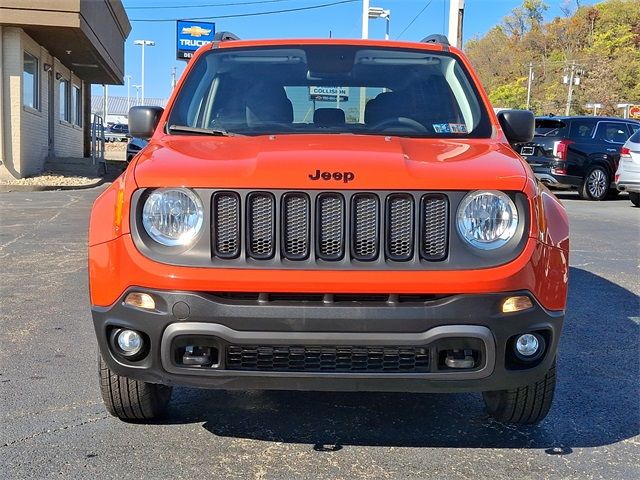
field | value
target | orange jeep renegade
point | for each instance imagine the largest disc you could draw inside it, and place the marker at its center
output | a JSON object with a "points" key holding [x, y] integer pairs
{"points": [[329, 215]]}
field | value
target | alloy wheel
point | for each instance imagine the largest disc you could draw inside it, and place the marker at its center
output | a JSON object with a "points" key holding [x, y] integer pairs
{"points": [[597, 183]]}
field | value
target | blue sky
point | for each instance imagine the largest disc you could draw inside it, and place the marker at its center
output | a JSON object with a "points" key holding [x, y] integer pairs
{"points": [[343, 21]]}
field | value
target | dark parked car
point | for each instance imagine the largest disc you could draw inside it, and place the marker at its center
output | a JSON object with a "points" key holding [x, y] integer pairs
{"points": [[578, 152], [134, 146], [117, 133]]}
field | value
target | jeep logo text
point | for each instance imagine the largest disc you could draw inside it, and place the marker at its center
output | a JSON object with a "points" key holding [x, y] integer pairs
{"points": [[346, 177]]}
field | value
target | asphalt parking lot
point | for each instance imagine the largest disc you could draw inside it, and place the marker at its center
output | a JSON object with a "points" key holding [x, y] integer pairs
{"points": [[54, 424]]}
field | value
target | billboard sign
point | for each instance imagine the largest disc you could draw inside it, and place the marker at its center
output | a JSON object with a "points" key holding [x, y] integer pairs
{"points": [[191, 36], [634, 111], [328, 94]]}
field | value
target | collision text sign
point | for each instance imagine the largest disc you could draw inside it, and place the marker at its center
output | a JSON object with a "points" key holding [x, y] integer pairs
{"points": [[328, 94]]}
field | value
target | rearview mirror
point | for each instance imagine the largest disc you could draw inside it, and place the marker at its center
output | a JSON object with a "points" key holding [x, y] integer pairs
{"points": [[143, 121], [518, 125]]}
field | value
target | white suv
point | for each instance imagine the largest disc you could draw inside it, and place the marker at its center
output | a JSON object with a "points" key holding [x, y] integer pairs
{"points": [[628, 174]]}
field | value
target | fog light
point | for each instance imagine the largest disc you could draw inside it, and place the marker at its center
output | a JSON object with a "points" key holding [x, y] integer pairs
{"points": [[140, 300], [527, 345], [516, 304], [130, 342]]}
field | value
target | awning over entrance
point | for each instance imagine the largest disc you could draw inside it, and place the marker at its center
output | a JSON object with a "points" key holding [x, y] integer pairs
{"points": [[86, 36]]}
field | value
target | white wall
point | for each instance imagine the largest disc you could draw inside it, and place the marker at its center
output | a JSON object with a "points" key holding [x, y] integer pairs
{"points": [[34, 136], [67, 136]]}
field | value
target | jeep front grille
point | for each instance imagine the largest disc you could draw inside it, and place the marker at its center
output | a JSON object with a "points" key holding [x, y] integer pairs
{"points": [[365, 227]]}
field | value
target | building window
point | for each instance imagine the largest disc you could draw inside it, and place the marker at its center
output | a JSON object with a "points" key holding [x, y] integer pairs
{"points": [[63, 90], [76, 105], [30, 81]]}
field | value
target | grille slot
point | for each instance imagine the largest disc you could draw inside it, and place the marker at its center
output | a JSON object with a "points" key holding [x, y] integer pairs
{"points": [[434, 231], [261, 221], [226, 224], [400, 229], [330, 226], [296, 226], [365, 226], [312, 358]]}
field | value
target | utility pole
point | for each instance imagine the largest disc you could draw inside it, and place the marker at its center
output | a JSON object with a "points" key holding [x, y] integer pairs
{"points": [[105, 100], [365, 19], [128, 78], [137, 87], [173, 78], [570, 80], [365, 35], [456, 17], [529, 84]]}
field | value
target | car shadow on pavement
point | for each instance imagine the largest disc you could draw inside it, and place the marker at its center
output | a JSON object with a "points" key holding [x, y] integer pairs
{"points": [[595, 404], [573, 195]]}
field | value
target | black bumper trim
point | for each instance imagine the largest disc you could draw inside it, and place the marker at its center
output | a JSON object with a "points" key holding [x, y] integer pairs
{"points": [[176, 330], [315, 320]]}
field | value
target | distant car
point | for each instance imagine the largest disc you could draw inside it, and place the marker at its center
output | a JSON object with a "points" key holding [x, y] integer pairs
{"points": [[578, 152], [116, 133], [628, 173], [134, 146]]}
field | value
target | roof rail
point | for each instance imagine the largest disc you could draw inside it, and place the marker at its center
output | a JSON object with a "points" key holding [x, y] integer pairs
{"points": [[436, 38], [225, 36]]}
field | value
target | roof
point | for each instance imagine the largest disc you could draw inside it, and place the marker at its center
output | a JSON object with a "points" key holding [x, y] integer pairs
{"points": [[118, 105], [585, 117]]}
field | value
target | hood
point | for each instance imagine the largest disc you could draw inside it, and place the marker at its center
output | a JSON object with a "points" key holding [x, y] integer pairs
{"points": [[333, 162]]}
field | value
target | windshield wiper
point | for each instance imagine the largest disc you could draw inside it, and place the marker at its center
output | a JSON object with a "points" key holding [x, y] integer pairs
{"points": [[200, 131]]}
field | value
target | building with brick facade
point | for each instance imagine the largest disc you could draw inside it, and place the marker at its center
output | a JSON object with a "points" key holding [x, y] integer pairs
{"points": [[50, 54]]}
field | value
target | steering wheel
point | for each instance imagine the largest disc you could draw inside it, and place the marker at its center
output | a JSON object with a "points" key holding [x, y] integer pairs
{"points": [[402, 122]]}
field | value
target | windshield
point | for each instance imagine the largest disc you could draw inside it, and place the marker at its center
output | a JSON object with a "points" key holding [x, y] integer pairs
{"points": [[548, 128], [329, 89]]}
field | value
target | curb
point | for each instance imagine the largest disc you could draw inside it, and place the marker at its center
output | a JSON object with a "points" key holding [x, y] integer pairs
{"points": [[46, 188]]}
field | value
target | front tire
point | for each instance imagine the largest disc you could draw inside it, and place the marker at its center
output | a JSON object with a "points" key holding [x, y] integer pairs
{"points": [[596, 184], [525, 405], [130, 399], [635, 198]]}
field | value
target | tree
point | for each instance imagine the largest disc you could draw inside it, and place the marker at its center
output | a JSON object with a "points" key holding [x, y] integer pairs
{"points": [[603, 39], [511, 95]]}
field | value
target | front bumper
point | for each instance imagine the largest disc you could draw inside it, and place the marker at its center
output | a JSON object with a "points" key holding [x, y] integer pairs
{"points": [[473, 321]]}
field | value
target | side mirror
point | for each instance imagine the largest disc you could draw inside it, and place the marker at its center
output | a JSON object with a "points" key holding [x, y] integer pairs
{"points": [[518, 125], [143, 121]]}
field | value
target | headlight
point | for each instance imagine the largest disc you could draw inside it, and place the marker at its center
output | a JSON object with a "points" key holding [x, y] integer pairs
{"points": [[172, 216], [487, 219]]}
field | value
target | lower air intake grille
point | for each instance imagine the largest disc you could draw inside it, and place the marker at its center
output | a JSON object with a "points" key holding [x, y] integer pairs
{"points": [[305, 358]]}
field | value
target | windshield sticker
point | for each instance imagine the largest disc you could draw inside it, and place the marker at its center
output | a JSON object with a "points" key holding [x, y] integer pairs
{"points": [[449, 128]]}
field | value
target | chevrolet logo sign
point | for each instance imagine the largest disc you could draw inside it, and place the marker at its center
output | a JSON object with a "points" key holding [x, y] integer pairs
{"points": [[195, 31]]}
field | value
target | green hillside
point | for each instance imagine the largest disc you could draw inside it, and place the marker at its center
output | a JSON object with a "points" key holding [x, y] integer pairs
{"points": [[600, 43]]}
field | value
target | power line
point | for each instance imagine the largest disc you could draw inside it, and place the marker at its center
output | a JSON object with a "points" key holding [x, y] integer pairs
{"points": [[233, 4], [253, 14], [414, 19]]}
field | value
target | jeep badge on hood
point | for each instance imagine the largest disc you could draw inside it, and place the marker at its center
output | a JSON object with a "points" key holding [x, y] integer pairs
{"points": [[346, 177]]}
